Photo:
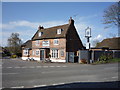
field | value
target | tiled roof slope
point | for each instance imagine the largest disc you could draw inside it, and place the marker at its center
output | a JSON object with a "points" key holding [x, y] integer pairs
{"points": [[111, 43], [27, 44], [52, 32]]}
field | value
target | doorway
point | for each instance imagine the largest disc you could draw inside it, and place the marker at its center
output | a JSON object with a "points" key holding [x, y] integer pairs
{"points": [[41, 54]]}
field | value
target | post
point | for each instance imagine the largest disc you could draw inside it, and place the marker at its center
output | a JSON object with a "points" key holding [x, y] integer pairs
{"points": [[88, 35]]}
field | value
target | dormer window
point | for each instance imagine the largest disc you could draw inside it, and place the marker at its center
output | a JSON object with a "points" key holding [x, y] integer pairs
{"points": [[40, 34], [59, 31]]}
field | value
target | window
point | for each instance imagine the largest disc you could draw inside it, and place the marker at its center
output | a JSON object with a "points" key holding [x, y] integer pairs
{"points": [[54, 53], [25, 52], [37, 43], [40, 34], [33, 52], [37, 52], [55, 41], [59, 31], [62, 53], [45, 43]]}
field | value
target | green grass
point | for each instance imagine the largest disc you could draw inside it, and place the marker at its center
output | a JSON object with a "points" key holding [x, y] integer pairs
{"points": [[114, 60], [108, 61]]}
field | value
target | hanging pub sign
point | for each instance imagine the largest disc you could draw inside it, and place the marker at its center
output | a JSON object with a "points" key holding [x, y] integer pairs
{"points": [[88, 32], [45, 43]]}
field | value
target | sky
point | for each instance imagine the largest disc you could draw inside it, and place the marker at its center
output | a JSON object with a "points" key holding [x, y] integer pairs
{"points": [[25, 17]]}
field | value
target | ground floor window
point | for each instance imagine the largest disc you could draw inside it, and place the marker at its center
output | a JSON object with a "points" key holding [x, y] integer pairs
{"points": [[62, 53], [37, 52], [33, 52], [54, 53], [25, 52]]}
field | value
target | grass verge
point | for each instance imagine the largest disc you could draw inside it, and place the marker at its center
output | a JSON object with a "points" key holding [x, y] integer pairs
{"points": [[115, 60]]}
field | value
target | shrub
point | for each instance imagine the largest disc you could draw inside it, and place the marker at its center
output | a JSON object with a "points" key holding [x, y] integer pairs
{"points": [[13, 56], [104, 58]]}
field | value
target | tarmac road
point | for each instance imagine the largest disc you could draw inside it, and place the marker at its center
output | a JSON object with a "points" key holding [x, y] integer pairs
{"points": [[17, 73]]}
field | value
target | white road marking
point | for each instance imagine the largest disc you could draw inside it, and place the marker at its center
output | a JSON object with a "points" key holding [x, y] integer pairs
{"points": [[55, 84], [23, 67], [114, 77], [31, 67], [45, 66], [39, 85], [64, 66], [18, 87], [60, 83], [9, 67], [58, 66], [16, 67], [38, 66], [9, 73], [51, 66], [34, 67]]}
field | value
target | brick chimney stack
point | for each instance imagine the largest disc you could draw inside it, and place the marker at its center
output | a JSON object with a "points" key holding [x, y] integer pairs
{"points": [[40, 27], [71, 21]]}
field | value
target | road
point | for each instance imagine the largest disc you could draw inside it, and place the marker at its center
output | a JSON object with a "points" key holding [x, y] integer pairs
{"points": [[17, 73]]}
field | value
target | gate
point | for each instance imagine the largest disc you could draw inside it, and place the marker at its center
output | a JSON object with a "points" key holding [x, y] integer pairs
{"points": [[70, 57], [84, 54]]}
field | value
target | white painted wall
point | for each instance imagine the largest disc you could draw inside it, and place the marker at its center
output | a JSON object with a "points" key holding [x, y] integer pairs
{"points": [[38, 59]]}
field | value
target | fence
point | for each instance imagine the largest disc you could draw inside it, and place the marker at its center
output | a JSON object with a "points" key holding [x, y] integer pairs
{"points": [[94, 55]]}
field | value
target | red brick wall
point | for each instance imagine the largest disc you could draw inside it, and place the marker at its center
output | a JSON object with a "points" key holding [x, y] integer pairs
{"points": [[60, 46]]}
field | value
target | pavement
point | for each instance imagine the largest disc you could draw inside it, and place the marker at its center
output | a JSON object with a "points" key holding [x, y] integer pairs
{"points": [[19, 74]]}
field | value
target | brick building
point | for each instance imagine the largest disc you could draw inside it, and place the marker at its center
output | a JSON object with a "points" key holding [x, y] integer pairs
{"points": [[58, 43]]}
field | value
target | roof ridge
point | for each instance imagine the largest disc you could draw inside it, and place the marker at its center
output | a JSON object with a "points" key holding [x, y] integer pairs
{"points": [[55, 26]]}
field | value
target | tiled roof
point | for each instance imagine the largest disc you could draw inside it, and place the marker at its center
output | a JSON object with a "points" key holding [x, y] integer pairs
{"points": [[27, 44], [52, 32], [111, 43]]}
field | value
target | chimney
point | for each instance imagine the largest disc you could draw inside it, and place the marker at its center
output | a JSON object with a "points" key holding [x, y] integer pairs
{"points": [[71, 21], [40, 27]]}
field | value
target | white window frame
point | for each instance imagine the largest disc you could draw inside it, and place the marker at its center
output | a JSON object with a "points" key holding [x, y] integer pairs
{"points": [[62, 53], [40, 34], [54, 53], [45, 44], [37, 42], [56, 42], [37, 53], [59, 31], [25, 52], [33, 52]]}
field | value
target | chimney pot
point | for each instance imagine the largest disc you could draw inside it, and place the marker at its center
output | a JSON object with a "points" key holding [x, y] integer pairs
{"points": [[71, 21], [40, 27]]}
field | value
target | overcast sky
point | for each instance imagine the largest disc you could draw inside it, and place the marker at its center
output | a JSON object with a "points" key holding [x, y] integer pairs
{"points": [[25, 17]]}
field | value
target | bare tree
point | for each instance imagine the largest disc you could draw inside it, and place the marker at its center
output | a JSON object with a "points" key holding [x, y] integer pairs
{"points": [[14, 43], [112, 15]]}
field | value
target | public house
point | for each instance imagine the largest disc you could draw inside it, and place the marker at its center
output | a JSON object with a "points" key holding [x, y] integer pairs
{"points": [[58, 43]]}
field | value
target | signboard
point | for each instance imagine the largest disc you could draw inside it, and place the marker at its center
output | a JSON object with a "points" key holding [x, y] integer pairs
{"points": [[45, 43], [88, 32]]}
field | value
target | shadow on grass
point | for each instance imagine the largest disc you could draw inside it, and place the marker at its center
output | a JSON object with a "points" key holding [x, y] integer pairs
{"points": [[85, 85]]}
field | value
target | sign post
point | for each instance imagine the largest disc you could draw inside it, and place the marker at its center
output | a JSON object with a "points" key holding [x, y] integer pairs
{"points": [[88, 35]]}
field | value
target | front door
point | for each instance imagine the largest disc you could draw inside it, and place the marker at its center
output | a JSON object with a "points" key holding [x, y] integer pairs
{"points": [[41, 54], [71, 57]]}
